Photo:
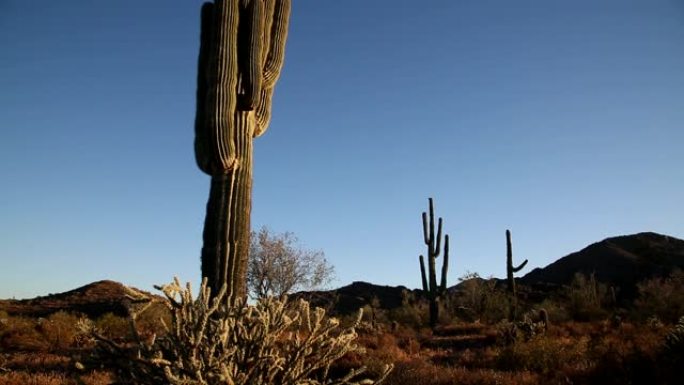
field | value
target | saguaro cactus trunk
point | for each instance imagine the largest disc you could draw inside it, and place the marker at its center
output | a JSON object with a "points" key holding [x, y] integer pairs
{"points": [[242, 45], [430, 286], [510, 270]]}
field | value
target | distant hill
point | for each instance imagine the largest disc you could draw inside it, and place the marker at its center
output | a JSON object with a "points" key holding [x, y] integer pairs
{"points": [[619, 261], [348, 299], [94, 300]]}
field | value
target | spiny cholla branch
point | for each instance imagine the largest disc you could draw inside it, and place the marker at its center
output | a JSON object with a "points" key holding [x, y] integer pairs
{"points": [[211, 343]]}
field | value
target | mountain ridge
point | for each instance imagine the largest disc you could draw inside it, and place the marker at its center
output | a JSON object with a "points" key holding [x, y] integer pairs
{"points": [[620, 261], [94, 299]]}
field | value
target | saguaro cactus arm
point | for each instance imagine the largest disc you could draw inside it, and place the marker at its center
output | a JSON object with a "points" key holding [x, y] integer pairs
{"points": [[242, 46], [422, 273], [275, 40], [273, 59], [520, 267], [252, 63], [216, 87]]}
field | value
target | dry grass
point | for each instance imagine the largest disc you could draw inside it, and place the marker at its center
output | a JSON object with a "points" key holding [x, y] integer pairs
{"points": [[571, 353], [418, 371], [35, 362], [53, 378], [44, 368], [33, 352]]}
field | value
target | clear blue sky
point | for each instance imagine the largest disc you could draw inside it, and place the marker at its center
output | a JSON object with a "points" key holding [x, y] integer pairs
{"points": [[561, 120]]}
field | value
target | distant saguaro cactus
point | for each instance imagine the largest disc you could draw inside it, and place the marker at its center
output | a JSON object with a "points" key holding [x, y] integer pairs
{"points": [[430, 287], [242, 45], [510, 269]]}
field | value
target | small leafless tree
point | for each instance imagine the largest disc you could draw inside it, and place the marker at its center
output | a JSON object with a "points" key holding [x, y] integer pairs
{"points": [[278, 265]]}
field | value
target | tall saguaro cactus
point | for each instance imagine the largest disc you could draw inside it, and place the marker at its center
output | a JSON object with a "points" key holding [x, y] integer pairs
{"points": [[430, 287], [510, 269], [242, 45]]}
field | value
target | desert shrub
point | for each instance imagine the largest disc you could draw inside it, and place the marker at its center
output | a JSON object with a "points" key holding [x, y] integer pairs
{"points": [[556, 311], [22, 334], [113, 327], [419, 371], [403, 337], [674, 340], [542, 354], [661, 297], [665, 360], [278, 265], [23, 378], [510, 333], [152, 319], [33, 361], [383, 344], [379, 349], [584, 298], [372, 318], [414, 316], [409, 345], [627, 355], [60, 330], [209, 343], [4, 322], [53, 378], [481, 298]]}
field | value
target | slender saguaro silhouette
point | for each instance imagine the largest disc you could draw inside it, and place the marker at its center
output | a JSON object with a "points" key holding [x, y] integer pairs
{"points": [[510, 269], [430, 287]]}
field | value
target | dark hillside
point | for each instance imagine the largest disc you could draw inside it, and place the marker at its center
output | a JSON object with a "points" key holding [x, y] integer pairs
{"points": [[620, 261], [348, 299], [94, 300]]}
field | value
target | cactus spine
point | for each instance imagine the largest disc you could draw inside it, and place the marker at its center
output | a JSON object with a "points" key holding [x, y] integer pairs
{"points": [[510, 269], [242, 45], [430, 287]]}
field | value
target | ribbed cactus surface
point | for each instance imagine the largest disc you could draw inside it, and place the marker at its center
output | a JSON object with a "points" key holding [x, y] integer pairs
{"points": [[430, 286], [242, 46], [510, 270]]}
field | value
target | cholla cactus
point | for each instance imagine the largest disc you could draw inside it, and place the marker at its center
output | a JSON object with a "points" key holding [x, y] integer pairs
{"points": [[674, 340], [511, 333], [211, 343]]}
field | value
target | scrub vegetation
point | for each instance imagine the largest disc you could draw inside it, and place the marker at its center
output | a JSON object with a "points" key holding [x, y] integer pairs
{"points": [[580, 337]]}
